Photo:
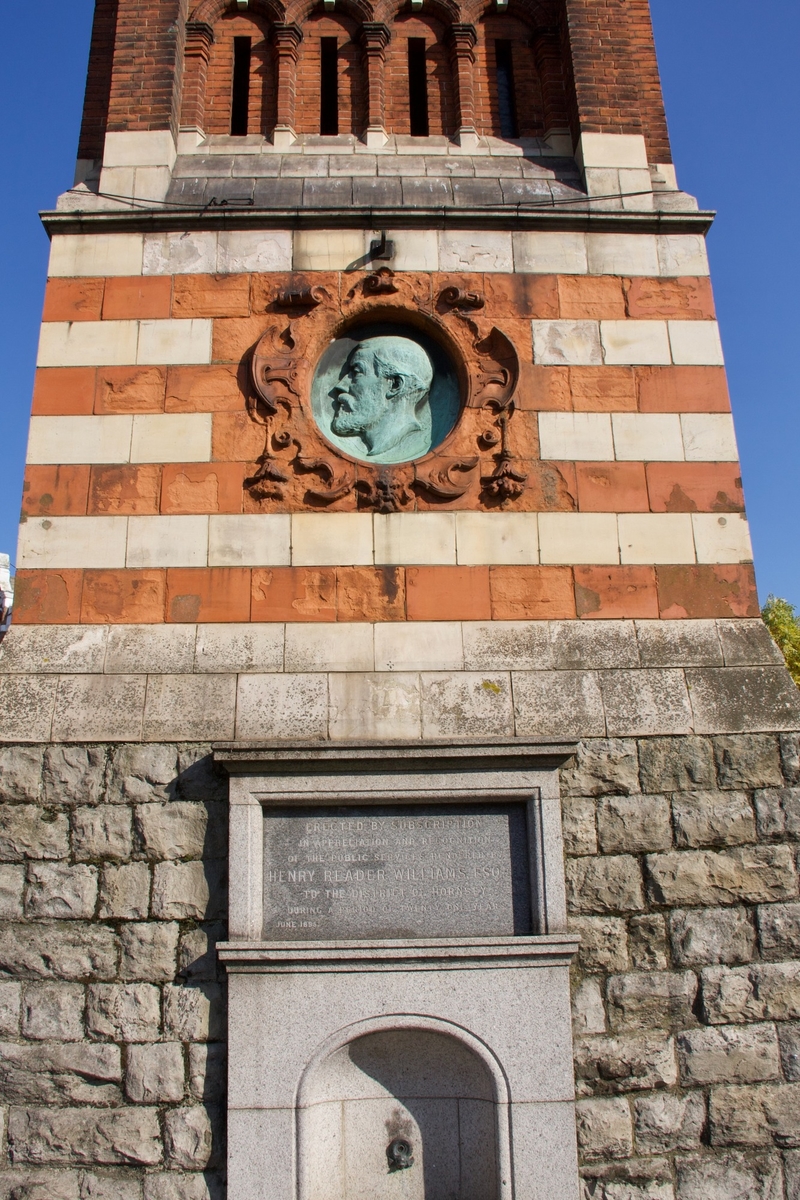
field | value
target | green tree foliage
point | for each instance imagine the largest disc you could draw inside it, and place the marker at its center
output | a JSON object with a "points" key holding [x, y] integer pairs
{"points": [[780, 619]]}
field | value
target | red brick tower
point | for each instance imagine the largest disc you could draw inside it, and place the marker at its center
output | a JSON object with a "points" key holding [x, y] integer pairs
{"points": [[512, 570]]}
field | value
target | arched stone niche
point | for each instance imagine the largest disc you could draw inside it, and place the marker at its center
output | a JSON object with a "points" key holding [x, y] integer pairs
{"points": [[427, 1083]]}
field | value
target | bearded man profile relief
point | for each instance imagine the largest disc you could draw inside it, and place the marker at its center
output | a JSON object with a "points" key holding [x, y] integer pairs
{"points": [[383, 397]]}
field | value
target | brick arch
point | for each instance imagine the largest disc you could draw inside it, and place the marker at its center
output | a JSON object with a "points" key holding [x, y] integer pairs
{"points": [[210, 11], [299, 11], [208, 78], [540, 71], [446, 11]]}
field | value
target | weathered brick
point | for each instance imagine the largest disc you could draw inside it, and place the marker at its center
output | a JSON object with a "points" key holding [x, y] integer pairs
{"points": [[626, 1063], [58, 950], [651, 999], [729, 1176], [177, 1186], [612, 884], [789, 1042], [588, 1013], [778, 812], [647, 941], [155, 1073], [73, 774], [755, 1116], [148, 950], [712, 819], [197, 952], [578, 825], [140, 774], [729, 1054], [208, 1065], [700, 936], [20, 771], [12, 882], [604, 1128], [101, 832], [10, 1004], [194, 1014], [633, 824], [180, 830], [188, 1137], [37, 1183], [762, 991], [778, 929], [191, 890], [749, 873]]}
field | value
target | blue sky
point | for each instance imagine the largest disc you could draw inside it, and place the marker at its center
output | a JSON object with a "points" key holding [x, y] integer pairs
{"points": [[733, 102]]}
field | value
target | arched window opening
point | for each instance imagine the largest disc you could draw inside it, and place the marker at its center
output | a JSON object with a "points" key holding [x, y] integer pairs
{"points": [[417, 87], [506, 95], [329, 86], [240, 103]]}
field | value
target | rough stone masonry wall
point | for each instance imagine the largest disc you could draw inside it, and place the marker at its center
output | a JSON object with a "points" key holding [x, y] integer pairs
{"points": [[682, 876], [683, 886]]}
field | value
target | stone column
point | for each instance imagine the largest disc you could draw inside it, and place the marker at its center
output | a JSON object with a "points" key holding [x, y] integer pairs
{"points": [[374, 39], [287, 40], [462, 39], [199, 40]]}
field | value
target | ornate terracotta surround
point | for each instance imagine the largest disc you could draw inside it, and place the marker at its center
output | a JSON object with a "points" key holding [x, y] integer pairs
{"points": [[300, 466]]}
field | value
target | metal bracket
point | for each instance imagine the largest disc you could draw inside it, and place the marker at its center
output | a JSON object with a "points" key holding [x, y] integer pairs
{"points": [[383, 249]]}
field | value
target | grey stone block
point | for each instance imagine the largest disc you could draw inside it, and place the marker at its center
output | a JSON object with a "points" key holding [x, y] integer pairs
{"points": [[576, 645], [73, 774], [20, 771], [102, 831], [465, 704], [84, 1135], [155, 1074], [123, 1012], [665, 1121], [495, 166], [197, 952], [61, 891], [749, 761], [789, 1042], [150, 649], [222, 649], [51, 649], [603, 767], [647, 942], [278, 193], [12, 882], [702, 936], [190, 707], [604, 1128], [142, 774], [120, 1184], [194, 1014], [26, 707], [208, 1065], [189, 890], [633, 824], [219, 191], [477, 193], [426, 193], [406, 165], [181, 829], [378, 192], [315, 165], [713, 819], [256, 165], [603, 942], [650, 999], [743, 699], [759, 992], [676, 764], [53, 1012], [60, 1074], [779, 930], [125, 892], [526, 191], [749, 874], [588, 1012], [188, 1137], [328, 193], [177, 1186], [30, 832], [557, 704], [192, 165], [602, 885], [755, 1116], [679, 644], [447, 166], [187, 191], [58, 950], [352, 164], [578, 825], [10, 1004], [507, 645], [790, 756], [727, 1175], [148, 951], [283, 706], [631, 1062], [198, 777], [728, 1054], [97, 708], [645, 702], [747, 643], [778, 812], [791, 1162], [40, 1183]]}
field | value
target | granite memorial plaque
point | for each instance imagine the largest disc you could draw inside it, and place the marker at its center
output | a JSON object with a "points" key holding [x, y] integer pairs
{"points": [[454, 870]]}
